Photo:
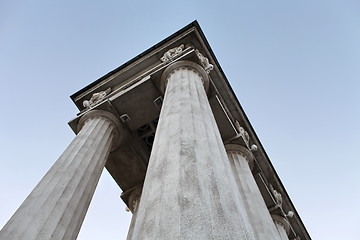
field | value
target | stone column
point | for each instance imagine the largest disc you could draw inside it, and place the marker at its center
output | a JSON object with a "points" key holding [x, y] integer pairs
{"points": [[56, 208], [189, 191], [242, 162], [133, 202], [282, 225]]}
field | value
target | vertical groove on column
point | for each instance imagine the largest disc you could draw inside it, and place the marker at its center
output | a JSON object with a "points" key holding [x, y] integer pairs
{"points": [[282, 226], [192, 202], [209, 181], [282, 232], [81, 181], [56, 207], [50, 198], [251, 197], [226, 190], [31, 208], [51, 177], [188, 192], [236, 161], [80, 211]]}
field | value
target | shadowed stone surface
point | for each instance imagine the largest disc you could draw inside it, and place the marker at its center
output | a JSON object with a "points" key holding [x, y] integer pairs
{"points": [[189, 189]]}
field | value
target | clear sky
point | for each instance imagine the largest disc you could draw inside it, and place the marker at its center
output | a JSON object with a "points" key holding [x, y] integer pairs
{"points": [[294, 65]]}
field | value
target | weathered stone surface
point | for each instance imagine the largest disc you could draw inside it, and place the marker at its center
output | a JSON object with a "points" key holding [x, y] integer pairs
{"points": [[282, 225], [189, 191], [135, 87], [240, 160], [56, 208]]}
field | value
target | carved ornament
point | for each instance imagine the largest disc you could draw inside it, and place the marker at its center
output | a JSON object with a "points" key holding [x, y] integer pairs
{"points": [[242, 132], [172, 53], [134, 199], [204, 62], [277, 195], [242, 151], [96, 98]]}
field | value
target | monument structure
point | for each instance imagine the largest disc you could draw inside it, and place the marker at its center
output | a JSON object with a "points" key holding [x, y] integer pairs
{"points": [[171, 132]]}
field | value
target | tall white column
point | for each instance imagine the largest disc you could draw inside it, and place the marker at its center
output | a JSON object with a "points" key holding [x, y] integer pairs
{"points": [[242, 161], [282, 225], [56, 208], [189, 191]]}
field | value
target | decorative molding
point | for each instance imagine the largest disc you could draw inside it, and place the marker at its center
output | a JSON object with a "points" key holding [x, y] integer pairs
{"points": [[254, 148], [96, 98], [277, 195], [290, 214], [172, 53], [242, 132], [204, 62], [177, 51]]}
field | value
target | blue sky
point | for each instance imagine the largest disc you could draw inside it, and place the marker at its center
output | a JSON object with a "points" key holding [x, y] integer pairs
{"points": [[294, 65]]}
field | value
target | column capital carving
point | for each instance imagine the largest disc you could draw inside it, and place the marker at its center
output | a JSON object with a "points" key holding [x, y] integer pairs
{"points": [[134, 199], [242, 151], [96, 98], [283, 222], [204, 61], [243, 133], [172, 53], [277, 195], [120, 132], [185, 64]]}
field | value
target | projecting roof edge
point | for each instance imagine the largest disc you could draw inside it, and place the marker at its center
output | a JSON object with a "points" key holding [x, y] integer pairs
{"points": [[192, 24], [248, 123]]}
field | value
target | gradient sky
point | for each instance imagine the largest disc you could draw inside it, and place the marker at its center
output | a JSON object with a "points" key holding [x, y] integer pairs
{"points": [[294, 65]]}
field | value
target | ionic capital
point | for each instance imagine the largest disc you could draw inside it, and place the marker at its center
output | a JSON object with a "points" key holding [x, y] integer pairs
{"points": [[281, 221], [96, 98], [120, 132], [183, 65], [134, 199], [277, 195], [246, 153]]}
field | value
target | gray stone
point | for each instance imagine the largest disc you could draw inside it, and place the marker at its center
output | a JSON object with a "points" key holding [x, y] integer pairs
{"points": [[282, 225], [56, 208], [241, 161], [189, 190]]}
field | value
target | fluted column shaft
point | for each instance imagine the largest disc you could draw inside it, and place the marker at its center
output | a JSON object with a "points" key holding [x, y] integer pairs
{"points": [[282, 226], [188, 191], [55, 209], [241, 161]]}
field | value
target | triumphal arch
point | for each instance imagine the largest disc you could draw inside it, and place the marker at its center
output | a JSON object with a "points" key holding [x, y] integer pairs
{"points": [[171, 132]]}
